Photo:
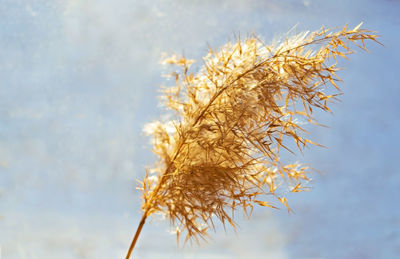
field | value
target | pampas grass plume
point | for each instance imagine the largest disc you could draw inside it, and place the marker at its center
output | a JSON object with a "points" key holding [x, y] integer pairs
{"points": [[220, 152]]}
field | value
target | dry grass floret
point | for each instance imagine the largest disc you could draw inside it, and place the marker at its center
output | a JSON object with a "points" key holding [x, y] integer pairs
{"points": [[232, 117]]}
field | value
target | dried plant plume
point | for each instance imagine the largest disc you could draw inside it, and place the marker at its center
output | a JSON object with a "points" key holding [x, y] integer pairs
{"points": [[220, 152]]}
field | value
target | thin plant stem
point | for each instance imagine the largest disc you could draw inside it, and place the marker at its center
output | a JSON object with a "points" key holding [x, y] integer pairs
{"points": [[135, 238]]}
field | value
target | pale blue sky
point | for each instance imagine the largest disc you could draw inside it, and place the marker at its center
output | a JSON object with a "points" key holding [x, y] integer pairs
{"points": [[79, 80]]}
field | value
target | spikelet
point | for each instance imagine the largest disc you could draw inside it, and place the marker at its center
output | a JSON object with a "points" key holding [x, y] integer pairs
{"points": [[220, 151]]}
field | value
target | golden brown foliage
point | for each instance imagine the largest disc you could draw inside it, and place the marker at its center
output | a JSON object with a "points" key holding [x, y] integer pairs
{"points": [[221, 151]]}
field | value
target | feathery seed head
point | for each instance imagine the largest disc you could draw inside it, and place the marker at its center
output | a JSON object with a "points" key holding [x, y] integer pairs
{"points": [[232, 118]]}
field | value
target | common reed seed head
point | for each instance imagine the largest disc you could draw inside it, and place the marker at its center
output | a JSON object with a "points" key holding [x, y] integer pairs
{"points": [[232, 117]]}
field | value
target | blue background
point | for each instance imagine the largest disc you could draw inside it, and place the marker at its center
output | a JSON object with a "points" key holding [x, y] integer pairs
{"points": [[79, 79]]}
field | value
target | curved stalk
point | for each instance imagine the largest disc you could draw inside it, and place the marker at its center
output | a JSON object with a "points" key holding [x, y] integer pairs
{"points": [[135, 238]]}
